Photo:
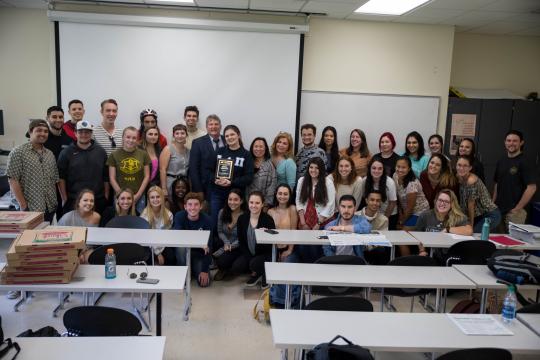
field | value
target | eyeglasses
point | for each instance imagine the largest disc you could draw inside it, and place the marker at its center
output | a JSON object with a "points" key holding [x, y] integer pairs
{"points": [[142, 275], [113, 144], [445, 202]]}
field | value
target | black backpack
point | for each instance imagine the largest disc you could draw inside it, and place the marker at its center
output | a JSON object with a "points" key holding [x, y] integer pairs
{"points": [[515, 267], [331, 351], [6, 345]]}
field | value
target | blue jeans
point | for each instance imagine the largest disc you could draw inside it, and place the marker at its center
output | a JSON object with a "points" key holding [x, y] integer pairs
{"points": [[218, 198], [494, 220], [199, 261]]}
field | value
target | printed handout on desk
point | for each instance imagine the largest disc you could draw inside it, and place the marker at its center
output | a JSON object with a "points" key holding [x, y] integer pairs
{"points": [[344, 238], [479, 324], [461, 237]]}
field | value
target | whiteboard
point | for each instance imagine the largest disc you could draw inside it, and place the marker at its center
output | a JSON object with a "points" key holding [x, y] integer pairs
{"points": [[249, 79], [372, 113]]}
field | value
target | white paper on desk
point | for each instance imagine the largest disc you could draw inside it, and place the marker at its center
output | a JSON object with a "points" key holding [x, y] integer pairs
{"points": [[461, 237], [342, 239], [525, 227], [479, 324]]}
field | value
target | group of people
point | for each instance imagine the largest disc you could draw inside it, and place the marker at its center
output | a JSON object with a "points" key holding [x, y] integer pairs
{"points": [[87, 175]]}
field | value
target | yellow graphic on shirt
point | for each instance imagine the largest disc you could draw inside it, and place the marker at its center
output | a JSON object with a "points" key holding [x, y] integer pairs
{"points": [[130, 165]]}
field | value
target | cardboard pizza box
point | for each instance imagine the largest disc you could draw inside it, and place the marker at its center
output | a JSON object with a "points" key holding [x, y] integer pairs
{"points": [[52, 277], [39, 268], [61, 255], [49, 239], [20, 220]]}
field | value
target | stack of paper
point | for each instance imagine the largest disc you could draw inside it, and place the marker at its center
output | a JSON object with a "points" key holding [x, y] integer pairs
{"points": [[44, 256], [17, 221], [343, 239], [528, 233], [479, 324]]}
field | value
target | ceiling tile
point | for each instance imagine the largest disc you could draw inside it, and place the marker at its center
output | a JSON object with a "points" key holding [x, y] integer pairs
{"points": [[530, 18], [529, 32], [478, 18], [416, 20], [501, 27], [34, 4], [236, 4], [278, 5], [459, 4], [332, 8], [427, 12], [355, 16], [513, 5]]}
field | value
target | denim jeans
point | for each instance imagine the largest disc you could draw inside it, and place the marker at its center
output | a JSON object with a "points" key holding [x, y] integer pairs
{"points": [[200, 262], [218, 198], [494, 217]]}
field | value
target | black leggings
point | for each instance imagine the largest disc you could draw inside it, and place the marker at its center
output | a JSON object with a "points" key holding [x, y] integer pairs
{"points": [[245, 262]]}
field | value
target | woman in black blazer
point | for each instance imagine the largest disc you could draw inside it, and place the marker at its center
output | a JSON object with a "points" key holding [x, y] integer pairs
{"points": [[253, 255]]}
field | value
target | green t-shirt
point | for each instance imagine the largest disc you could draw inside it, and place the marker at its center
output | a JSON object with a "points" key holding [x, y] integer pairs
{"points": [[129, 167]]}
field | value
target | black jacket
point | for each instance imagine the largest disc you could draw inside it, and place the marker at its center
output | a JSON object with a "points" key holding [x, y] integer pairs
{"points": [[202, 163], [265, 221]]}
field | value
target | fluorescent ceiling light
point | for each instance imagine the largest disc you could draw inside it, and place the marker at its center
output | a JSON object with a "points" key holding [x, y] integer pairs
{"points": [[170, 1], [389, 7]]}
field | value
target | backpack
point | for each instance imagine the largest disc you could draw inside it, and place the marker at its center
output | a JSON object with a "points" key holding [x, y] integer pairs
{"points": [[515, 267], [331, 351], [46, 331], [466, 307], [262, 313], [6, 345]]}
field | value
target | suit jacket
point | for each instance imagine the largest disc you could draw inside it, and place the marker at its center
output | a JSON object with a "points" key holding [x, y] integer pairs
{"points": [[202, 163], [265, 221]]}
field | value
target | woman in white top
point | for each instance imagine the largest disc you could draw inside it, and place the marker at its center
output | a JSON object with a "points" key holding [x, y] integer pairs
{"points": [[346, 181], [315, 203], [159, 217], [375, 177], [84, 214]]}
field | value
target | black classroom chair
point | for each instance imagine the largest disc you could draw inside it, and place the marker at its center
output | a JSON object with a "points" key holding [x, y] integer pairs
{"points": [[100, 321], [340, 303], [477, 354]]}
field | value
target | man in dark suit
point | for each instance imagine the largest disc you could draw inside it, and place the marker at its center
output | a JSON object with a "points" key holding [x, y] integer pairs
{"points": [[202, 157]]}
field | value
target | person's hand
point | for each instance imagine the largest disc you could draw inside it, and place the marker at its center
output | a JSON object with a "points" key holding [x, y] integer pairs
{"points": [[204, 279], [284, 255], [161, 259], [423, 253], [514, 210], [136, 198], [305, 227], [316, 227], [206, 250], [227, 247]]}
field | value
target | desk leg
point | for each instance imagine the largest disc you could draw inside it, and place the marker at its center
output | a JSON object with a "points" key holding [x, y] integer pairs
{"points": [[152, 255], [287, 296], [392, 252], [187, 293], [274, 253], [483, 301], [431, 252], [158, 314], [438, 300], [23, 299]]}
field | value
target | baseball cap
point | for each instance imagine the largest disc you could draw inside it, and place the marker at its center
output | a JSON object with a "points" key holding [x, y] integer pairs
{"points": [[84, 125]]}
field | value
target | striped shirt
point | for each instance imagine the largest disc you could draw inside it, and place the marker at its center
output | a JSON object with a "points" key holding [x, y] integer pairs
{"points": [[104, 139]]}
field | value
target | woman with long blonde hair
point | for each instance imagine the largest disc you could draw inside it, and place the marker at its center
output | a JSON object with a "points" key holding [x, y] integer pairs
{"points": [[159, 217], [124, 204], [446, 216]]}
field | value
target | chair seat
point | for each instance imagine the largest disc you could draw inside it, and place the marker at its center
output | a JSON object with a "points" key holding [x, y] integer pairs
{"points": [[100, 321]]}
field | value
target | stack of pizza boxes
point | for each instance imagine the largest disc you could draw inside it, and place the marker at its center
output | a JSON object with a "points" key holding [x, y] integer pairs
{"points": [[18, 221], [44, 256]]}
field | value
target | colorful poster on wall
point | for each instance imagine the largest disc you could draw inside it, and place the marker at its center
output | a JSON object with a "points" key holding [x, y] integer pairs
{"points": [[463, 126]]}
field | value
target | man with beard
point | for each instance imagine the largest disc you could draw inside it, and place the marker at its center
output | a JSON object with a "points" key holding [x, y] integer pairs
{"points": [[347, 221], [57, 139]]}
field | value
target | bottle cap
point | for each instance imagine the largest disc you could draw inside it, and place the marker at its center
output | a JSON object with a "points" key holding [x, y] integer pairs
{"points": [[110, 251]]}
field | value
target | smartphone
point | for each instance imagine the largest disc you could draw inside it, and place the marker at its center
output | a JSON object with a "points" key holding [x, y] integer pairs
{"points": [[322, 237], [148, 281], [271, 231]]}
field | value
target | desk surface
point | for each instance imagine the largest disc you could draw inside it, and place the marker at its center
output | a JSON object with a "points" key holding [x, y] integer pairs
{"points": [[483, 277], [444, 240], [91, 278], [91, 348], [432, 277], [532, 321], [381, 331], [148, 237], [309, 237]]}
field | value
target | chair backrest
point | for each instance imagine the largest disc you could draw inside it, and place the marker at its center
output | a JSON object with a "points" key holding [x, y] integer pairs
{"points": [[471, 252], [413, 260], [100, 321], [530, 309], [341, 260], [126, 254], [340, 303], [477, 354], [128, 222]]}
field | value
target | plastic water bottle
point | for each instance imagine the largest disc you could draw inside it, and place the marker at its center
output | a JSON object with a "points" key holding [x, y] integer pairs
{"points": [[110, 264], [509, 305], [485, 230]]}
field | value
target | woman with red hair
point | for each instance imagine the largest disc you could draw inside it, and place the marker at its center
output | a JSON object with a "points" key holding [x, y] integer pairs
{"points": [[387, 144]]}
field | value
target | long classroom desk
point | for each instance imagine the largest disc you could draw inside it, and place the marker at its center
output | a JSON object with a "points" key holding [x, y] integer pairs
{"points": [[91, 348], [155, 238], [313, 237], [442, 240], [379, 276], [532, 321], [377, 331], [91, 278], [484, 279]]}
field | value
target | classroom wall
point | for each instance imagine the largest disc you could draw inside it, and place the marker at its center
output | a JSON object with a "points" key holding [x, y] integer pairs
{"points": [[386, 58], [26, 70], [496, 62]]}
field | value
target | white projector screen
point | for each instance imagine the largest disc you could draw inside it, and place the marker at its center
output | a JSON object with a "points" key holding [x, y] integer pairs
{"points": [[249, 79], [372, 113]]}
